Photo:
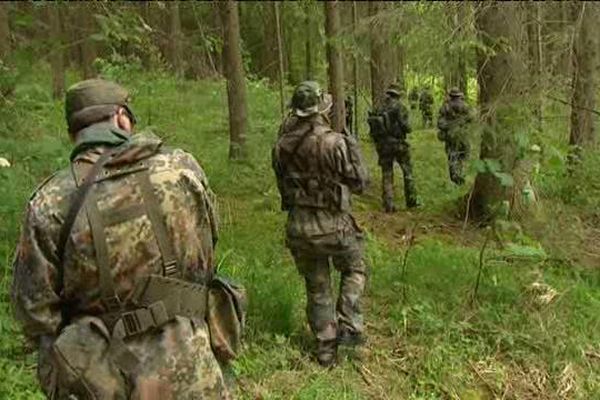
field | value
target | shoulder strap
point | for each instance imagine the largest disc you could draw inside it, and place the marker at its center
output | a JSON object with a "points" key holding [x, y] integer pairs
{"points": [[76, 204]]}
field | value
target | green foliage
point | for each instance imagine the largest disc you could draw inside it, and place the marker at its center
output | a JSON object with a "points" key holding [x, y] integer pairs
{"points": [[431, 345]]}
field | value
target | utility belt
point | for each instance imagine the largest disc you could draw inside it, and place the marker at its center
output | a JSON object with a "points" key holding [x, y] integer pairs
{"points": [[156, 301]]}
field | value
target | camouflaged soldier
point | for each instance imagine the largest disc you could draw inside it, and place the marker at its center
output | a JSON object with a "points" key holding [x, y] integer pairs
{"points": [[452, 123], [389, 128], [413, 98], [425, 105], [317, 170], [111, 270]]}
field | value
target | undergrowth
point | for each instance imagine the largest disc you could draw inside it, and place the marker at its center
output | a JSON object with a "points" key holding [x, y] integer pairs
{"points": [[530, 331]]}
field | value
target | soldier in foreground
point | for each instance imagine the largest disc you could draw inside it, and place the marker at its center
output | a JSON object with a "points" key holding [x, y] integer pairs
{"points": [[425, 104], [113, 263], [389, 128], [453, 121], [317, 170]]}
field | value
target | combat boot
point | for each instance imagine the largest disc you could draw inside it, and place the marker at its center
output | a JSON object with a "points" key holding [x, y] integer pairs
{"points": [[327, 352], [350, 338]]}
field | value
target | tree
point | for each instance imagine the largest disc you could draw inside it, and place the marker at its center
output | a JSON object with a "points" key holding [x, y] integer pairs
{"points": [[309, 73], [500, 76], [383, 60], [456, 55], [175, 39], [53, 16], [234, 72], [335, 70], [4, 31], [584, 59], [87, 46], [536, 67]]}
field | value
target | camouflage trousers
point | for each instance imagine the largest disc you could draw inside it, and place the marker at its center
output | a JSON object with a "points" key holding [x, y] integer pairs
{"points": [[427, 116], [175, 362], [457, 152], [325, 320], [401, 155]]}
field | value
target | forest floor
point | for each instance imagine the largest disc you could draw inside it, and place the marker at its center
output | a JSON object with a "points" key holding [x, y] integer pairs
{"points": [[530, 332]]}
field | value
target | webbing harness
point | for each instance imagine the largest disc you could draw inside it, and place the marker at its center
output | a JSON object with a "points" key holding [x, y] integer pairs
{"points": [[156, 299]]}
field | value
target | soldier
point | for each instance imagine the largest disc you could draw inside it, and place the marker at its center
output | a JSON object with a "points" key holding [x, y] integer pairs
{"points": [[317, 169], [453, 119], [349, 106], [113, 262], [389, 128], [413, 98], [425, 104]]}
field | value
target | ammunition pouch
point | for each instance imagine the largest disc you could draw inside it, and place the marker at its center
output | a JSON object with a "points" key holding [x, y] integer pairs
{"points": [[226, 318]]}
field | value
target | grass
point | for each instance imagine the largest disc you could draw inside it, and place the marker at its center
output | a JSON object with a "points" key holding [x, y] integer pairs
{"points": [[433, 344]]}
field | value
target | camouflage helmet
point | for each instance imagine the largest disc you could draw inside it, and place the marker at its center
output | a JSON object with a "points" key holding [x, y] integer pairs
{"points": [[308, 99], [455, 92], [94, 100], [394, 90]]}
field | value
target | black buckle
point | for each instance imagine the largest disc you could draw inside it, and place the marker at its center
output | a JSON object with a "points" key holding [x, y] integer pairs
{"points": [[112, 303], [170, 268], [131, 323]]}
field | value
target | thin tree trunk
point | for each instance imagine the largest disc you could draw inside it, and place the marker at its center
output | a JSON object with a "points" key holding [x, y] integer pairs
{"points": [[584, 75], [355, 70], [535, 64], [56, 53], [280, 56], [308, 42], [500, 80], [335, 64], [175, 39], [88, 47], [4, 31], [236, 84]]}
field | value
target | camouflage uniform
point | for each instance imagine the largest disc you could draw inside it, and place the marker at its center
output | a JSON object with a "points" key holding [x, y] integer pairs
{"points": [[89, 347], [389, 129], [453, 119], [425, 104], [349, 107], [413, 98], [317, 170]]}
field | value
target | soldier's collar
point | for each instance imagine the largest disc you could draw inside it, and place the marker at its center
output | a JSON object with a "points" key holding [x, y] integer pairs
{"points": [[100, 134]]}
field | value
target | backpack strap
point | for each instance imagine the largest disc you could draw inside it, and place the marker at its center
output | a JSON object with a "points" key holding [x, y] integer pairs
{"points": [[157, 219], [76, 204]]}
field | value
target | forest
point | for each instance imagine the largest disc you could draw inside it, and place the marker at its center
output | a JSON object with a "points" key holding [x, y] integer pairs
{"points": [[490, 289]]}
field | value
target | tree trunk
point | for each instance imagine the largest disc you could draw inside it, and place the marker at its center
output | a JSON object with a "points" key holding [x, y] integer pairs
{"points": [[308, 42], [456, 70], [57, 63], [382, 74], [4, 31], [280, 57], [335, 68], [584, 75], [236, 85], [534, 23], [500, 81], [175, 39], [88, 47]]}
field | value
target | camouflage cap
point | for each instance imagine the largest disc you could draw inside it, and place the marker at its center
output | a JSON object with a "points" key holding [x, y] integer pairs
{"points": [[93, 100], [394, 90], [455, 92], [306, 98]]}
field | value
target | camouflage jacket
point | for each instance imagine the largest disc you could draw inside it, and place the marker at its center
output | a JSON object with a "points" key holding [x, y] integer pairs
{"points": [[188, 207], [389, 126], [453, 118], [317, 170]]}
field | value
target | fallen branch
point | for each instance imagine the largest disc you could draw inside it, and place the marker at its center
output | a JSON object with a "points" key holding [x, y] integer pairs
{"points": [[572, 105]]}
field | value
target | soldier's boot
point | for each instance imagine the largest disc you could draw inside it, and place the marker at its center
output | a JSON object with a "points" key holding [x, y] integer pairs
{"points": [[352, 285], [348, 338], [387, 183], [327, 352]]}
